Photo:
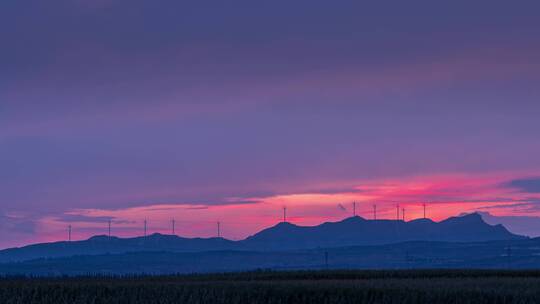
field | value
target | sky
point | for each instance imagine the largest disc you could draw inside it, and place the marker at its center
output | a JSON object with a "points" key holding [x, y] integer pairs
{"points": [[207, 111]]}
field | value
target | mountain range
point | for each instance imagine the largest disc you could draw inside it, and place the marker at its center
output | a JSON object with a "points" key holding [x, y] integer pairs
{"points": [[353, 231]]}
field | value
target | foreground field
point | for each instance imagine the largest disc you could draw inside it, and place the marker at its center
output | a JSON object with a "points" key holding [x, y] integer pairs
{"points": [[429, 286]]}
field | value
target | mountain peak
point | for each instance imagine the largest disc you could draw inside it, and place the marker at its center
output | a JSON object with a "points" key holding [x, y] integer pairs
{"points": [[475, 215], [468, 218], [158, 235], [421, 220], [284, 224], [101, 237], [354, 219]]}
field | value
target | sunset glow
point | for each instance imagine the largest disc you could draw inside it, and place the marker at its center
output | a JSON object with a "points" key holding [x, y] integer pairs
{"points": [[444, 196]]}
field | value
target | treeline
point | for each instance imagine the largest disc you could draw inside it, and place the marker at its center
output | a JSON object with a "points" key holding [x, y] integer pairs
{"points": [[409, 286]]}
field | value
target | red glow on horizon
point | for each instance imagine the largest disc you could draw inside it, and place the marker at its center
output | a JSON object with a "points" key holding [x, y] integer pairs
{"points": [[444, 196]]}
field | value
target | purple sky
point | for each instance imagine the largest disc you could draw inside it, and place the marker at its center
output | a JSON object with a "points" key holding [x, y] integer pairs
{"points": [[115, 104]]}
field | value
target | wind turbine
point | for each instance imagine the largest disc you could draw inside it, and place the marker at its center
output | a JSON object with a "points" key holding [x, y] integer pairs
{"points": [[145, 227], [109, 228]]}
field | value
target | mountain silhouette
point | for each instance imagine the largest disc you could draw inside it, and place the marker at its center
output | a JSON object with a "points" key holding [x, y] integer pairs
{"points": [[113, 245], [354, 231]]}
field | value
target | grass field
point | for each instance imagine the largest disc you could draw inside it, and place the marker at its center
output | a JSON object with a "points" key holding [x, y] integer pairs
{"points": [[414, 286]]}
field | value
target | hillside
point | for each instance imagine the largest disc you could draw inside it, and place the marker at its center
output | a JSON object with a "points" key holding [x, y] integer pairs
{"points": [[354, 231]]}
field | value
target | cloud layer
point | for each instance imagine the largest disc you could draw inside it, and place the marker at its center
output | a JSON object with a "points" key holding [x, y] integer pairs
{"points": [[114, 106]]}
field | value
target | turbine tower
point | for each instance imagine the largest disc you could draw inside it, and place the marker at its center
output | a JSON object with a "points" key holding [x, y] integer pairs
{"points": [[173, 222], [218, 229], [145, 227], [109, 228], [69, 233], [284, 214], [354, 208], [397, 212], [424, 205], [374, 212], [403, 213]]}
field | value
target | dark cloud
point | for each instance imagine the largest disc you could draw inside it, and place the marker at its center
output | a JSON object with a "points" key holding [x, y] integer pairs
{"points": [[197, 207], [528, 185], [17, 225], [203, 205], [241, 202], [337, 190], [85, 219], [527, 205]]}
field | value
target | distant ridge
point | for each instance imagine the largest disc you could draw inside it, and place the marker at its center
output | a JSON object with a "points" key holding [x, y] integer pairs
{"points": [[102, 244], [353, 231]]}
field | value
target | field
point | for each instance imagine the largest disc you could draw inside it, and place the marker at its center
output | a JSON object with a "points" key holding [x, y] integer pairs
{"points": [[406, 286]]}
